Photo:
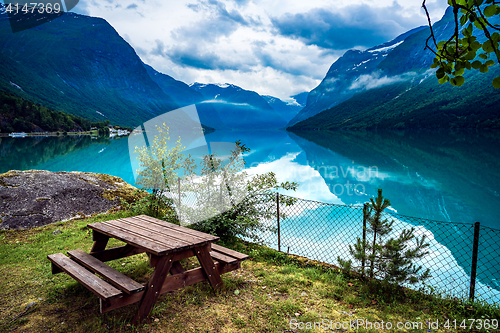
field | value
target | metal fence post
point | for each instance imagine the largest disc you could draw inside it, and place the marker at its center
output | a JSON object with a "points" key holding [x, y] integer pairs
{"points": [[179, 192], [474, 262], [365, 213], [278, 215]]}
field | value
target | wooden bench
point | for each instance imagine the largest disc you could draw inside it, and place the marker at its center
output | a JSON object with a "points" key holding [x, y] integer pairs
{"points": [[226, 256], [99, 287]]}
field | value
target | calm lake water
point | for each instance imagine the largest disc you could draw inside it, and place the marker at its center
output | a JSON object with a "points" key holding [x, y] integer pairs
{"points": [[450, 177]]}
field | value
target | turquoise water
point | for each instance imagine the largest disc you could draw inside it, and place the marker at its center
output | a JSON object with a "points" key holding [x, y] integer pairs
{"points": [[446, 177], [437, 176]]}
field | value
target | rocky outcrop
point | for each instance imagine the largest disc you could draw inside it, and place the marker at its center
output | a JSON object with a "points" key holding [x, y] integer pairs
{"points": [[35, 198]]}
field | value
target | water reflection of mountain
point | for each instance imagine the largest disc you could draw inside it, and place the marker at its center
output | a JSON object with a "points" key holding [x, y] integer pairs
{"points": [[450, 177], [25, 153]]}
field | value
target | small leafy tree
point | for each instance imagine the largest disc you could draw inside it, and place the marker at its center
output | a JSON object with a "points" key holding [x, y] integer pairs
{"points": [[390, 260], [242, 206], [217, 196], [160, 165]]}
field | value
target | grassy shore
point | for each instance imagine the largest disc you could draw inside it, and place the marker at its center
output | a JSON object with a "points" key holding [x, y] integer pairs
{"points": [[272, 292]]}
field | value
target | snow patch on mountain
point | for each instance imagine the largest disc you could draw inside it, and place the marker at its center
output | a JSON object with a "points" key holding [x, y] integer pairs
{"points": [[387, 48]]}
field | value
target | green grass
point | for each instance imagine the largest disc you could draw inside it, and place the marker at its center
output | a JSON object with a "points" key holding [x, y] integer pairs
{"points": [[269, 291]]}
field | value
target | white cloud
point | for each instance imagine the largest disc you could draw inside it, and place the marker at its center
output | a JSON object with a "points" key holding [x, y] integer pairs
{"points": [[376, 80], [235, 41]]}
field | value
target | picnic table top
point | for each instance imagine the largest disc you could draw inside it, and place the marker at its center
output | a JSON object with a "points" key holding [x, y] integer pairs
{"points": [[155, 236]]}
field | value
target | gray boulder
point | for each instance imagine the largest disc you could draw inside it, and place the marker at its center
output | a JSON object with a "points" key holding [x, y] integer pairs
{"points": [[35, 198]]}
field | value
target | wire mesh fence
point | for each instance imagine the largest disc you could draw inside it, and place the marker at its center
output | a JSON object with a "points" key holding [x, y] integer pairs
{"points": [[324, 231]]}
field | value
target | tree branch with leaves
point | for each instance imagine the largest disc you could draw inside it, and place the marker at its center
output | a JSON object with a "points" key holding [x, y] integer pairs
{"points": [[462, 50]]}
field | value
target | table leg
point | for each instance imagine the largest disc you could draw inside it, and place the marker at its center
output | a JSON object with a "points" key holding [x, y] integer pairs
{"points": [[100, 241], [206, 261], [153, 288], [177, 268]]}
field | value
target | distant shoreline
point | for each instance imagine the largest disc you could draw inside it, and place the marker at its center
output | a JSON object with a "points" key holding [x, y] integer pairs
{"points": [[91, 133]]}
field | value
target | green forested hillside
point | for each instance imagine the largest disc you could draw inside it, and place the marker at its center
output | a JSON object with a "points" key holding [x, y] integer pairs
{"points": [[20, 115], [80, 65], [420, 104]]}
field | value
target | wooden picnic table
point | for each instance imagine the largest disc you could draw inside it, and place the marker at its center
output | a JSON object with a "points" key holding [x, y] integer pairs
{"points": [[165, 243]]}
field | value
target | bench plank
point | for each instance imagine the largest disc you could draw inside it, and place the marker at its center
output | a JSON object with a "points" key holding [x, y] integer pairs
{"points": [[172, 282], [149, 235], [118, 233], [223, 258], [229, 252], [164, 230], [114, 277], [100, 288]]}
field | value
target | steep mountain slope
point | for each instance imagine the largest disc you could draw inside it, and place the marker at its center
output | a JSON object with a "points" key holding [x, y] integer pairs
{"points": [[336, 87], [180, 92], [402, 92], [239, 108], [183, 95], [418, 104], [80, 65]]}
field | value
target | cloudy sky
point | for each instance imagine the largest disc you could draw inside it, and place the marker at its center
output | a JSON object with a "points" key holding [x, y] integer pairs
{"points": [[275, 47]]}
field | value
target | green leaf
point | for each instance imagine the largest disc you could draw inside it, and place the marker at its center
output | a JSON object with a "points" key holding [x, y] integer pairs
{"points": [[470, 28], [464, 19], [470, 55], [490, 10], [484, 69], [444, 79], [496, 83], [475, 45], [457, 81], [460, 72], [489, 63], [477, 24], [487, 47], [495, 36], [477, 64], [483, 56], [440, 73]]}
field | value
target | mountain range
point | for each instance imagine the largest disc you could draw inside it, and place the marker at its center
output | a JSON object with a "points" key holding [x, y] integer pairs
{"points": [[392, 86], [81, 65]]}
